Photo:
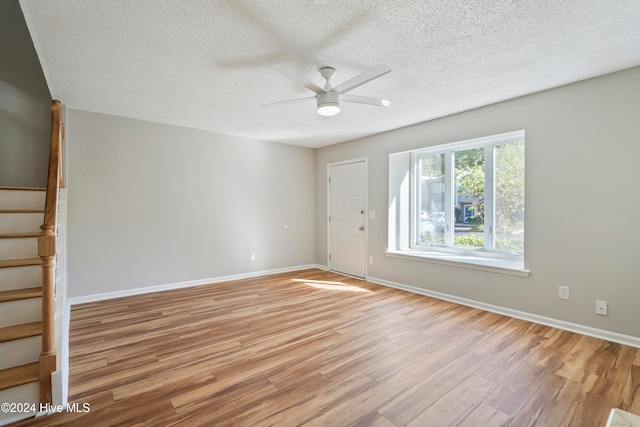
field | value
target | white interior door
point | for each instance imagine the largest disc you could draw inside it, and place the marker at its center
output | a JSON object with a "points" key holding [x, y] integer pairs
{"points": [[347, 218]]}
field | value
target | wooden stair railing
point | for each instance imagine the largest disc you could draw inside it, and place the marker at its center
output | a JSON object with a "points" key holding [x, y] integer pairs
{"points": [[47, 253]]}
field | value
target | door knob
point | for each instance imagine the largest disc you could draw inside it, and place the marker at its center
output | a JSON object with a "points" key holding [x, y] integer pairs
{"points": [[361, 228]]}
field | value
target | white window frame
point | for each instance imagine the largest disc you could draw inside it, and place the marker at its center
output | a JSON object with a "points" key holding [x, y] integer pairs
{"points": [[403, 219]]}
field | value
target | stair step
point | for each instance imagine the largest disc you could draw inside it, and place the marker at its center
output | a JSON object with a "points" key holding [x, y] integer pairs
{"points": [[19, 352], [5, 263], [18, 248], [21, 211], [16, 332], [18, 294], [20, 312], [20, 222], [19, 235], [23, 189], [28, 276], [22, 198], [19, 375]]}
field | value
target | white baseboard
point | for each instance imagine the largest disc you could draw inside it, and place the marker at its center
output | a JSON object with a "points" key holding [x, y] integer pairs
{"points": [[148, 289], [542, 320]]}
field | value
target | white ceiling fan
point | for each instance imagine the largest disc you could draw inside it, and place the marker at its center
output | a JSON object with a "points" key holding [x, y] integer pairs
{"points": [[328, 98]]}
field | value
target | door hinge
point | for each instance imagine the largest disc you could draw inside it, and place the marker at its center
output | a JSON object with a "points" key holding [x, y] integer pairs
{"points": [[329, 218], [329, 257], [329, 180]]}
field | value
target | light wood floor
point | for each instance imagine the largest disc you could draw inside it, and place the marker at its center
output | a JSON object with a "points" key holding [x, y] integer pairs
{"points": [[316, 348]]}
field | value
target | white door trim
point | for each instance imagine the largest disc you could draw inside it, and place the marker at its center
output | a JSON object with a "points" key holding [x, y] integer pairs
{"points": [[366, 209]]}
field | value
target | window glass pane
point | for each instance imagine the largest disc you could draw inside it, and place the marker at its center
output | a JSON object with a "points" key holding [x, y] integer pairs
{"points": [[509, 197], [431, 188], [469, 198]]}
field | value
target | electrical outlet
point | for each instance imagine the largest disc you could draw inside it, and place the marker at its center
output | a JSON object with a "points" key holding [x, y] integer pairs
{"points": [[601, 307], [253, 256], [563, 292]]}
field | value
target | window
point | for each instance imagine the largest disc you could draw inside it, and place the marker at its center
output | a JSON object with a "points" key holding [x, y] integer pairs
{"points": [[464, 198]]}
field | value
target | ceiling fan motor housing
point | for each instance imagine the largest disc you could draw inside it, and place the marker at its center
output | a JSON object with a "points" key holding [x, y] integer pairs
{"points": [[327, 72]]}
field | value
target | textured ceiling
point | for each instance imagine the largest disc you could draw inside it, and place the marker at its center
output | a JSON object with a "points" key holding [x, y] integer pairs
{"points": [[209, 64]]}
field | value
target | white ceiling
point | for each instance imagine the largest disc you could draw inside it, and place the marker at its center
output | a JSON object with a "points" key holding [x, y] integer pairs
{"points": [[209, 64]]}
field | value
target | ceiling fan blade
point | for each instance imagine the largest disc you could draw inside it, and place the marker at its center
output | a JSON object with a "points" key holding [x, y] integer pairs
{"points": [[363, 78], [299, 79], [288, 101], [365, 100]]}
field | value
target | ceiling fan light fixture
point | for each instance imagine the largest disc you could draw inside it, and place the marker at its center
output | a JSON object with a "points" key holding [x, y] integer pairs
{"points": [[328, 109], [328, 103]]}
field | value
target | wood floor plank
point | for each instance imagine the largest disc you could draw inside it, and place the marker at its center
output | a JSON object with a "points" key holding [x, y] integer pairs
{"points": [[161, 380], [300, 370], [501, 336], [594, 356], [316, 348], [226, 380], [595, 399], [399, 353], [275, 402], [233, 396], [374, 420], [486, 416], [630, 399], [506, 362], [441, 356], [319, 403], [511, 395], [561, 341], [549, 405], [454, 405], [369, 400], [408, 405], [224, 405]]}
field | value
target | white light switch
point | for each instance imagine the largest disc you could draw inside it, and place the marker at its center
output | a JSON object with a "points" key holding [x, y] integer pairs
{"points": [[372, 214]]}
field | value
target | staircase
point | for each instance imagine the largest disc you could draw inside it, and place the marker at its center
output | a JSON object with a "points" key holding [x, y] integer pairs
{"points": [[27, 287], [21, 214]]}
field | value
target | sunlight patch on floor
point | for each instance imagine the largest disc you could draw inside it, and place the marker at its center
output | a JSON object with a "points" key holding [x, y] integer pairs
{"points": [[332, 286]]}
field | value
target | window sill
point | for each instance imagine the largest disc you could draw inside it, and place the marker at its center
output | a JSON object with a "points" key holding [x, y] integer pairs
{"points": [[514, 268]]}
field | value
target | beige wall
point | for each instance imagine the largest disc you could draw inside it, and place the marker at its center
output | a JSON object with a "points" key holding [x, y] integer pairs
{"points": [[152, 204], [582, 202], [25, 120]]}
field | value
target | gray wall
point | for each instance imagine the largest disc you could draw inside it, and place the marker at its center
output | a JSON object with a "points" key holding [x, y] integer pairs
{"points": [[582, 202], [25, 120], [153, 204]]}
